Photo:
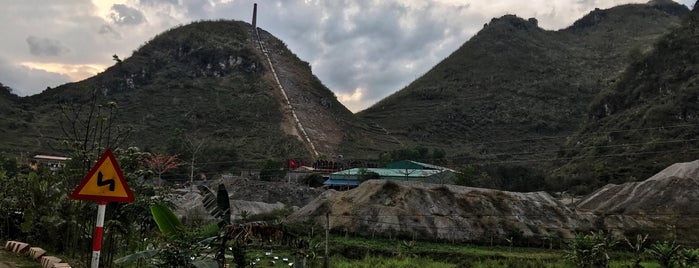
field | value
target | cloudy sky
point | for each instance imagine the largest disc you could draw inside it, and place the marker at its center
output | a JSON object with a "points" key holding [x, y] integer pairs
{"points": [[362, 50]]}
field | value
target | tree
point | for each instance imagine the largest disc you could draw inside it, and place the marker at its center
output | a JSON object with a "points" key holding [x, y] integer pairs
{"points": [[438, 154], [9, 165], [190, 145], [313, 180], [272, 169], [91, 127], [466, 176], [161, 163]]}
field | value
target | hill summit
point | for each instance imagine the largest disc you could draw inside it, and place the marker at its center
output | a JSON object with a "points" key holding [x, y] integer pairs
{"points": [[514, 92], [647, 119], [212, 84]]}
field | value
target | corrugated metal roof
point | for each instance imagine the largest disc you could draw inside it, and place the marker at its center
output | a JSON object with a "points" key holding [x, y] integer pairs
{"points": [[415, 164], [387, 172], [424, 175], [341, 182]]}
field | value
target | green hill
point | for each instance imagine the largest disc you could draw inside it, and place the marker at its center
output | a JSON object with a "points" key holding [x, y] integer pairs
{"points": [[646, 121], [208, 84], [514, 96], [514, 91]]}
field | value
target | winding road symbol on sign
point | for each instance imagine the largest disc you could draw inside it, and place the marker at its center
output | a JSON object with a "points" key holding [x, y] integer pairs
{"points": [[101, 182]]}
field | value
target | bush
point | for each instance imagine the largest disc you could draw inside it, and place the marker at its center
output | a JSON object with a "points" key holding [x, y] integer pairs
{"points": [[272, 170], [665, 253], [590, 250], [313, 180]]}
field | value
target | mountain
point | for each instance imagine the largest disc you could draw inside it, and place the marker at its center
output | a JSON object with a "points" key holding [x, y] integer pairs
{"points": [[207, 84], [514, 91], [14, 118], [647, 120]]}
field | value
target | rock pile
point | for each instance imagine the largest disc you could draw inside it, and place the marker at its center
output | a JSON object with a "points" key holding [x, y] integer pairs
{"points": [[665, 205]]}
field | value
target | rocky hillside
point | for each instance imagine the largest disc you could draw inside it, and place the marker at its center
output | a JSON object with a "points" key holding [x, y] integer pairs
{"points": [[333, 129], [441, 212], [645, 121], [207, 83], [514, 91], [663, 205]]}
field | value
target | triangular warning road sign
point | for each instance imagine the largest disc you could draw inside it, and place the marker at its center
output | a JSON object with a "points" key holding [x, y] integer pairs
{"points": [[104, 182]]}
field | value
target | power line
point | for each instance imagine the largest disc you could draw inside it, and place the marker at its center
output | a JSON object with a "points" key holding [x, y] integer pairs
{"points": [[525, 153]]}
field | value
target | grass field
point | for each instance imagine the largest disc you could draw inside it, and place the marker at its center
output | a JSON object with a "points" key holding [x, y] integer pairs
{"points": [[361, 252]]}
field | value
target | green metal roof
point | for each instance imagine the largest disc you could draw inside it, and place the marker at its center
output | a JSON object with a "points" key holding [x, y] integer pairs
{"points": [[413, 165], [425, 175]]}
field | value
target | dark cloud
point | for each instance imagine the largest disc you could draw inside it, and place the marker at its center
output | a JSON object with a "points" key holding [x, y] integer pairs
{"points": [[382, 46], [45, 46], [25, 81], [376, 46], [125, 15], [108, 30]]}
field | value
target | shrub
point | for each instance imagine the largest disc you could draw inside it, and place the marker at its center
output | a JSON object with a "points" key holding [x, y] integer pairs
{"points": [[313, 180], [665, 253], [590, 250]]}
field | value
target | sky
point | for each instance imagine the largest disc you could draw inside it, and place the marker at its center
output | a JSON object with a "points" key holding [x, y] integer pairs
{"points": [[362, 50]]}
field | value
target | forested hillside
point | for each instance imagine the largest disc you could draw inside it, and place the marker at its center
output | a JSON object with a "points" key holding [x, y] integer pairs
{"points": [[203, 90], [647, 120], [514, 92]]}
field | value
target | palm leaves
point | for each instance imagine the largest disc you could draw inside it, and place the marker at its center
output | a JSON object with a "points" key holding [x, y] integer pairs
{"points": [[665, 253], [179, 248], [591, 250], [217, 204]]}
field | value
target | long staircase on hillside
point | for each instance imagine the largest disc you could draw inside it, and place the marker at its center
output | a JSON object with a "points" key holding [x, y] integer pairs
{"points": [[264, 51]]}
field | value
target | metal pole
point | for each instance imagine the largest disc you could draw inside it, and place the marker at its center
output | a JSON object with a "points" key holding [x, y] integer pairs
{"points": [[326, 261], [97, 238]]}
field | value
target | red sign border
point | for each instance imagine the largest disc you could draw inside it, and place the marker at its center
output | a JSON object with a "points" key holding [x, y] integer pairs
{"points": [[106, 155]]}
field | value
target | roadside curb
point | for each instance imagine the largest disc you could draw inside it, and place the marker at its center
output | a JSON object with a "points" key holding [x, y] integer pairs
{"points": [[35, 253]]}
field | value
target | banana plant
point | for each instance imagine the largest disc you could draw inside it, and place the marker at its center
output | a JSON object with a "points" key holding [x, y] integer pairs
{"points": [[178, 250], [665, 253], [219, 206]]}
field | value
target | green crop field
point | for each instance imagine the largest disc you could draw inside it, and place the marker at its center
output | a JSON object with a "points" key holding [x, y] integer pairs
{"points": [[362, 252]]}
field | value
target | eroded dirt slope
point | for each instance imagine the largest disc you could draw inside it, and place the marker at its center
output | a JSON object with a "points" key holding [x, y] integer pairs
{"points": [[442, 212], [665, 205]]}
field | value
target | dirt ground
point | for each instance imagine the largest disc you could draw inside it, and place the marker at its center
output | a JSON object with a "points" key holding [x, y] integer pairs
{"points": [[11, 260]]}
